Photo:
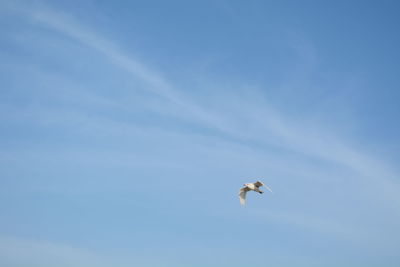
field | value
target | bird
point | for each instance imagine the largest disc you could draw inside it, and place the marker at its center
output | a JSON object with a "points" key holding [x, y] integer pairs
{"points": [[248, 187]]}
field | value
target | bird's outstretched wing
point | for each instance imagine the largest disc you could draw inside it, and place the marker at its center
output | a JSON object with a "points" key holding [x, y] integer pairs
{"points": [[269, 189], [242, 195], [258, 184]]}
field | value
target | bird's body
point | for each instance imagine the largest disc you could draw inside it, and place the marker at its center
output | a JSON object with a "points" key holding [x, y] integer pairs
{"points": [[250, 187]]}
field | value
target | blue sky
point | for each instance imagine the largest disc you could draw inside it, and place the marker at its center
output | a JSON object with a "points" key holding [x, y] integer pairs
{"points": [[127, 128]]}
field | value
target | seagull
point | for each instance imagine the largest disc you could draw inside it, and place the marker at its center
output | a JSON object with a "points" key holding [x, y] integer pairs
{"points": [[248, 187]]}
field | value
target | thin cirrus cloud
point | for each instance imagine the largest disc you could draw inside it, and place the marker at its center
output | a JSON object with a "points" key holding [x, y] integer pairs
{"points": [[218, 132], [267, 124], [264, 125]]}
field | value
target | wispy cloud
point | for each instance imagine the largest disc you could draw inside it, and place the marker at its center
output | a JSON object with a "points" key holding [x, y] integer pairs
{"points": [[298, 136], [266, 127], [155, 82]]}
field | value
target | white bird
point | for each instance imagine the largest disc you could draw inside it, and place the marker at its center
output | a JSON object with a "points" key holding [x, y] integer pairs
{"points": [[248, 187]]}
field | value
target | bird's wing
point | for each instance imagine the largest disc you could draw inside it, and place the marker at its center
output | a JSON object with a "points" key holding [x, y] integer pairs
{"points": [[258, 184], [242, 195], [269, 189]]}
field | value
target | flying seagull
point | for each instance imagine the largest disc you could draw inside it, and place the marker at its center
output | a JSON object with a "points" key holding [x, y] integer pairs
{"points": [[248, 187]]}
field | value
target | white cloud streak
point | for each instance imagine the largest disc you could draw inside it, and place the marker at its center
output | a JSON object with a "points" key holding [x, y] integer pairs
{"points": [[265, 125], [264, 119]]}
